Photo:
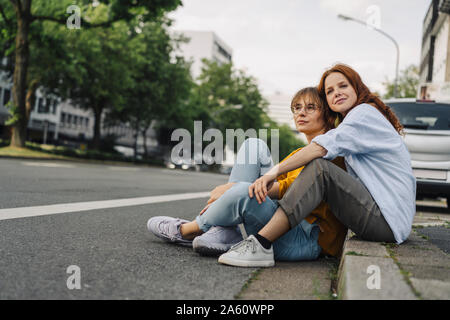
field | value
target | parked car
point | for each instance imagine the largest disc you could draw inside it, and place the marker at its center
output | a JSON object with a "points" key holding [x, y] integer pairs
{"points": [[427, 136]]}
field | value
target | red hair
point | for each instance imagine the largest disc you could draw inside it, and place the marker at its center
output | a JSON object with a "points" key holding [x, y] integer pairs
{"points": [[363, 93]]}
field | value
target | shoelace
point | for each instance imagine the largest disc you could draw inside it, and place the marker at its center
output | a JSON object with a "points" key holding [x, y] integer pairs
{"points": [[164, 229], [244, 244]]}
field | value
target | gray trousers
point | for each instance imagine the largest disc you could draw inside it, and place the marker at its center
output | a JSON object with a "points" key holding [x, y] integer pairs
{"points": [[348, 198]]}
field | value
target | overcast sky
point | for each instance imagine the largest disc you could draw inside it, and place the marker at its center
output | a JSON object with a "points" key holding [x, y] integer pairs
{"points": [[287, 44]]}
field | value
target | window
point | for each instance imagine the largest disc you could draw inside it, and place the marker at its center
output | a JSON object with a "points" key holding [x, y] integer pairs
{"points": [[6, 96], [40, 104], [69, 119], [54, 105], [63, 118], [426, 116]]}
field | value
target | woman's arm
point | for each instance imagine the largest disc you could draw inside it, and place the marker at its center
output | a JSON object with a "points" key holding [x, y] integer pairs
{"points": [[260, 187], [274, 192]]}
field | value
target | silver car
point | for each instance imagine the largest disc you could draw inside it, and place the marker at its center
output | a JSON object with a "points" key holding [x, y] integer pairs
{"points": [[427, 136]]}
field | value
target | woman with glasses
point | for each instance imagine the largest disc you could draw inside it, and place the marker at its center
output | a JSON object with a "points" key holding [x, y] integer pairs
{"points": [[375, 198], [214, 230]]}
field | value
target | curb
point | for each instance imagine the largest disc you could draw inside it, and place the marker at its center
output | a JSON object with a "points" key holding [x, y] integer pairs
{"points": [[367, 272]]}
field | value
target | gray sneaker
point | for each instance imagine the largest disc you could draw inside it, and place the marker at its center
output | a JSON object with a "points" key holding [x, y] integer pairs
{"points": [[248, 253], [168, 229], [216, 241]]}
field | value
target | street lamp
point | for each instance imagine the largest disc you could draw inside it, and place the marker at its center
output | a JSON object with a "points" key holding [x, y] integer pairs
{"points": [[347, 18]]}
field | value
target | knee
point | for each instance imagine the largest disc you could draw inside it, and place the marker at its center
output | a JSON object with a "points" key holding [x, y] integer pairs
{"points": [[255, 145], [318, 164], [239, 190], [235, 194]]}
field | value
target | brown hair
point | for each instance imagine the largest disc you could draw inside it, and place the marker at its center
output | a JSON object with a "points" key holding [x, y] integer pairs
{"points": [[312, 94], [362, 92]]}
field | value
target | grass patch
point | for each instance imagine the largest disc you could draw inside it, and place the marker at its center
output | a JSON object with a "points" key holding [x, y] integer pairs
{"points": [[406, 274], [35, 150], [354, 253], [253, 277], [28, 153], [333, 275]]}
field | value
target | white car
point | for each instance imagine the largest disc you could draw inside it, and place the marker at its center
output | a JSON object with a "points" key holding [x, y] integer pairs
{"points": [[427, 136]]}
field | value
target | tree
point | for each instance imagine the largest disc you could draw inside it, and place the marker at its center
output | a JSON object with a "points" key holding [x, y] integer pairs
{"points": [[28, 12], [161, 81], [227, 98], [219, 90], [407, 84]]}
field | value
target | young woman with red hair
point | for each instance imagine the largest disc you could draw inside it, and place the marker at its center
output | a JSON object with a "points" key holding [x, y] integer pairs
{"points": [[375, 198]]}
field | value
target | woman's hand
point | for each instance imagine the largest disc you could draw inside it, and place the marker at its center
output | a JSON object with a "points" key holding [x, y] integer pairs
{"points": [[219, 191], [216, 194], [260, 187]]}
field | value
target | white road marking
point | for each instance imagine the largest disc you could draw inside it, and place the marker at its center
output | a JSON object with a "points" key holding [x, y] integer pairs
{"points": [[47, 164], [25, 212], [123, 168]]}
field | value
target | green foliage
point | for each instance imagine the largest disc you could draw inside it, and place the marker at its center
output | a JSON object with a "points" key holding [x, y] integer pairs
{"points": [[161, 83], [288, 141], [74, 56], [407, 84]]}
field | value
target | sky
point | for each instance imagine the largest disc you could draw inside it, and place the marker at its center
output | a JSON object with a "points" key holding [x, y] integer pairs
{"points": [[287, 44]]}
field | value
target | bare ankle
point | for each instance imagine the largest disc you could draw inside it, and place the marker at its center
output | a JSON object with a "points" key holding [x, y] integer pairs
{"points": [[189, 232]]}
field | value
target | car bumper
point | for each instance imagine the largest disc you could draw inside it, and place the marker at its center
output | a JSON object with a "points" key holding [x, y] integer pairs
{"points": [[433, 188]]}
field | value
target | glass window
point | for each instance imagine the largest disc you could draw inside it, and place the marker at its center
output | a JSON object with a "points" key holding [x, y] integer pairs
{"points": [[6, 96], [54, 105], [40, 105], [427, 116], [47, 105]]}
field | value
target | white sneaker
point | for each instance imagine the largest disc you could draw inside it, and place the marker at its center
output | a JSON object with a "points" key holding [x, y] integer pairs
{"points": [[248, 253], [217, 240]]}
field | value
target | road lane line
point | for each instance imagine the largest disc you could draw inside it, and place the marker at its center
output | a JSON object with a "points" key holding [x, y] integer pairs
{"points": [[47, 164], [25, 212]]}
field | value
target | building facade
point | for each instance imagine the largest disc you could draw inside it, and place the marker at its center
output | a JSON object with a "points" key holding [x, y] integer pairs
{"points": [[435, 54], [279, 110], [204, 45]]}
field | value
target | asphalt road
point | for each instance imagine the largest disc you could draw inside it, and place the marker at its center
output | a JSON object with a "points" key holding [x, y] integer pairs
{"points": [[116, 256]]}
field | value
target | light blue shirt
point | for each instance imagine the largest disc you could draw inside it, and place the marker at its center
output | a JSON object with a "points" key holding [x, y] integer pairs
{"points": [[376, 155]]}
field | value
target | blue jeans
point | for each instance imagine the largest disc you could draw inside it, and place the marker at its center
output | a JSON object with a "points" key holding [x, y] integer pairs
{"points": [[235, 207]]}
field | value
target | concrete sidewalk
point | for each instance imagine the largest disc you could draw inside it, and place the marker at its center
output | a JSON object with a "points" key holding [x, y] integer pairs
{"points": [[416, 269]]}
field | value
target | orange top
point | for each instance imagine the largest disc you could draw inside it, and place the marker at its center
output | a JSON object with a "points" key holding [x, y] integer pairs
{"points": [[332, 232]]}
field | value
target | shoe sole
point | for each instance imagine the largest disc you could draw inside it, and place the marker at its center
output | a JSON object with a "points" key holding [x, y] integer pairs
{"points": [[243, 263], [206, 249]]}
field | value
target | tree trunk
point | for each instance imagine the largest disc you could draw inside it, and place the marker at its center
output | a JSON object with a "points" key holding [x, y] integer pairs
{"points": [[144, 136], [96, 140], [22, 55], [136, 137], [30, 98]]}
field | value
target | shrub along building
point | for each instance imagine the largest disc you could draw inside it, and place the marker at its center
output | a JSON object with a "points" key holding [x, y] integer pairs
{"points": [[60, 122]]}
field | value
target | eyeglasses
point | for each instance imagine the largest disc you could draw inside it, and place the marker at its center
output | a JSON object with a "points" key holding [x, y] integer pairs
{"points": [[309, 108]]}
